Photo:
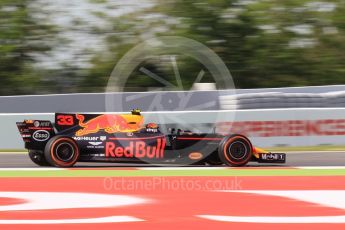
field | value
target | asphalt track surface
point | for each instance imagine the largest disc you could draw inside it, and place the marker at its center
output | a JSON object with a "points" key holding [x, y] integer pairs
{"points": [[295, 159]]}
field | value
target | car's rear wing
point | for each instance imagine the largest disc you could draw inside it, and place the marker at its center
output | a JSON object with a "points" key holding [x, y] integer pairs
{"points": [[35, 133]]}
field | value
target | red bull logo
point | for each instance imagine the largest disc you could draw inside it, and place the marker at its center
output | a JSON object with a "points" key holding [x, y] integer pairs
{"points": [[109, 123], [152, 126], [137, 149]]}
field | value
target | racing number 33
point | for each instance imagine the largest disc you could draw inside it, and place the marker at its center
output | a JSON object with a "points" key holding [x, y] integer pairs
{"points": [[64, 120]]}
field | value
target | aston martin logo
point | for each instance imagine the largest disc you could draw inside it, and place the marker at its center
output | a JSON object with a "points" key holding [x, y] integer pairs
{"points": [[95, 143]]}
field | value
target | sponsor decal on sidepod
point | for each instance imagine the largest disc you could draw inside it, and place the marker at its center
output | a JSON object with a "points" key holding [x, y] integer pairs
{"points": [[86, 138], [137, 149], [41, 135], [195, 156]]}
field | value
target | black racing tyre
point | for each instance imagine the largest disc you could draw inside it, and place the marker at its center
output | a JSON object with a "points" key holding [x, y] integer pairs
{"points": [[38, 158], [235, 150], [61, 151]]}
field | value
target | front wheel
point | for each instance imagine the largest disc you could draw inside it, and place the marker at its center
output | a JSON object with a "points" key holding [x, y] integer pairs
{"points": [[61, 151], [38, 158], [235, 150]]}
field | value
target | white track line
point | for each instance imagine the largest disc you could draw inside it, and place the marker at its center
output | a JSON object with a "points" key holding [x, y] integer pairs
{"points": [[230, 168], [32, 169], [180, 168], [173, 168], [323, 198], [278, 220], [311, 152], [110, 219], [320, 167]]}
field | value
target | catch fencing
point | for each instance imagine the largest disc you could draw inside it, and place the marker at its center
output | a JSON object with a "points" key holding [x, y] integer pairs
{"points": [[265, 127], [300, 116]]}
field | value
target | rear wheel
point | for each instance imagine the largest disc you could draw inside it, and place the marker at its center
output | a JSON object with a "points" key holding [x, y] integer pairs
{"points": [[235, 150], [61, 151], [38, 158]]}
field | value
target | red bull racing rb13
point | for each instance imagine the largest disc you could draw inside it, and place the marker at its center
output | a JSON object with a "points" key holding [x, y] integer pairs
{"points": [[124, 138]]}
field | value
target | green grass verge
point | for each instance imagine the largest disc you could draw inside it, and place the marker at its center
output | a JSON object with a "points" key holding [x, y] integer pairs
{"points": [[13, 150], [142, 173]]}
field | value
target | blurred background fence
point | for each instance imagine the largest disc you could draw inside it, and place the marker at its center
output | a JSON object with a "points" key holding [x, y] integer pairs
{"points": [[298, 97], [271, 100], [265, 127], [269, 118]]}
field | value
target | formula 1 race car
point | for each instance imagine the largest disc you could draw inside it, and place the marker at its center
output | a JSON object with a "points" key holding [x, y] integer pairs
{"points": [[125, 139]]}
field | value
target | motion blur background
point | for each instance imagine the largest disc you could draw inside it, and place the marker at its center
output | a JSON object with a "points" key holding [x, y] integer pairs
{"points": [[71, 46]]}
